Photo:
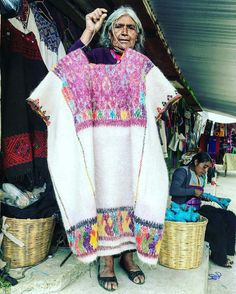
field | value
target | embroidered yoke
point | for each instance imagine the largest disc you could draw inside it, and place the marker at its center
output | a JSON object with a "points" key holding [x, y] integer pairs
{"points": [[104, 153]]}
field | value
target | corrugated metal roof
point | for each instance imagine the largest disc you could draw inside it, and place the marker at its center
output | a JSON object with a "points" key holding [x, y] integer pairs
{"points": [[202, 37]]}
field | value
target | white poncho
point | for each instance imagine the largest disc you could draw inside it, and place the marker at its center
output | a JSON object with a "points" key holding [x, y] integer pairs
{"points": [[104, 152]]}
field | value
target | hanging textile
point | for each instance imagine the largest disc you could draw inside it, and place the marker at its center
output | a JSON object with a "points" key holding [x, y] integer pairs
{"points": [[30, 41], [36, 18], [24, 137]]}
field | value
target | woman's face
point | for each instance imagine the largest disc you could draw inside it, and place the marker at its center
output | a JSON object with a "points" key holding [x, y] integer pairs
{"points": [[124, 33], [201, 168]]}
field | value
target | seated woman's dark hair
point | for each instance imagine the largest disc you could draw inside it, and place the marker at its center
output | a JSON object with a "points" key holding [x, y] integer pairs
{"points": [[201, 157]]}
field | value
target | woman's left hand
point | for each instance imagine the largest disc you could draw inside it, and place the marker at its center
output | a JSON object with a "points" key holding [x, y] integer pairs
{"points": [[198, 193]]}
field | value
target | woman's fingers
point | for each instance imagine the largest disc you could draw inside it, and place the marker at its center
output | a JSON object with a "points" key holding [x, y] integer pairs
{"points": [[97, 14], [94, 21], [198, 192]]}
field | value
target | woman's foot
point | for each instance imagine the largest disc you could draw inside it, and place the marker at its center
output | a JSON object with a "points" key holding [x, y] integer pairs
{"points": [[228, 263], [106, 275], [132, 270]]}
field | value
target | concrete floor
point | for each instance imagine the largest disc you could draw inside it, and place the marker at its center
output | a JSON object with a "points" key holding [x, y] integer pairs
{"points": [[159, 280], [76, 278]]}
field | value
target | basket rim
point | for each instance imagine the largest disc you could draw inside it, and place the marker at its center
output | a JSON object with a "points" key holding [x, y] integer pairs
{"points": [[201, 221], [28, 219]]}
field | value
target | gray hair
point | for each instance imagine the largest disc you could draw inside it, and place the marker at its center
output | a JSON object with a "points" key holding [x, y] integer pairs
{"points": [[123, 10]]}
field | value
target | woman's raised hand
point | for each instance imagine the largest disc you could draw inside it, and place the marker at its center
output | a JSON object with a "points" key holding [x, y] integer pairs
{"points": [[95, 19]]}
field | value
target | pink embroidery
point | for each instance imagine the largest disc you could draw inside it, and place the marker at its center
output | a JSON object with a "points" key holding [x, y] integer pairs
{"points": [[108, 95], [113, 224], [82, 238], [148, 238]]}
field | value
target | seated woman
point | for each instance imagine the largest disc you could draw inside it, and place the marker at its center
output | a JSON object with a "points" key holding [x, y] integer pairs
{"points": [[187, 186]]}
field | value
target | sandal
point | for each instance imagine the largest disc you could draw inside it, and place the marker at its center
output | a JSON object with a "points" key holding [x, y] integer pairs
{"points": [[103, 281], [132, 274], [228, 263]]}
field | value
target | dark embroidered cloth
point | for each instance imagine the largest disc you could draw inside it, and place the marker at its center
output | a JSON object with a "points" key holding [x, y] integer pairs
{"points": [[24, 143]]}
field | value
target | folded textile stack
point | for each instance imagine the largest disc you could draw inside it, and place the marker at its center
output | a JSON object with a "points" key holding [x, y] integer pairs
{"points": [[223, 202], [181, 213]]}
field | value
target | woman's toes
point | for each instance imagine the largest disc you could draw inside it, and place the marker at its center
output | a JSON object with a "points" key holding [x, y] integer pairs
{"points": [[139, 280], [114, 286]]}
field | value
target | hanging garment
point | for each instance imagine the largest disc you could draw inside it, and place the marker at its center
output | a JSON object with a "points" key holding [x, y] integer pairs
{"points": [[174, 142], [212, 146], [208, 127], [36, 18], [163, 137], [199, 126], [104, 153], [203, 143], [24, 136], [219, 130], [30, 45], [177, 142], [182, 142]]}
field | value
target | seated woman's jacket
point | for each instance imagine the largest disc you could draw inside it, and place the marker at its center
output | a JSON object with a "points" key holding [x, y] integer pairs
{"points": [[180, 189]]}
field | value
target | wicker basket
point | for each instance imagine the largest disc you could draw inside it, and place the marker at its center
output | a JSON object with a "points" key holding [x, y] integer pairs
{"points": [[36, 234], [182, 244]]}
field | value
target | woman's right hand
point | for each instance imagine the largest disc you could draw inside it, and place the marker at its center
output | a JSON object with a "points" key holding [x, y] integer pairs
{"points": [[95, 19], [198, 192]]}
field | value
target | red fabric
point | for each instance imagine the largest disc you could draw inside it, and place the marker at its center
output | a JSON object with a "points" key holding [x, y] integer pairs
{"points": [[203, 143], [217, 147], [23, 148], [24, 44]]}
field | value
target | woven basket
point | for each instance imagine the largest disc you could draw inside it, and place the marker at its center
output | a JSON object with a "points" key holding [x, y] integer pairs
{"points": [[36, 234], [182, 244]]}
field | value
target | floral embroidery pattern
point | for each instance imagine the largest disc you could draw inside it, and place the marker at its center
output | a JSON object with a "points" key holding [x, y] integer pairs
{"points": [[115, 223], [148, 237], [101, 94], [111, 224], [39, 109], [82, 238]]}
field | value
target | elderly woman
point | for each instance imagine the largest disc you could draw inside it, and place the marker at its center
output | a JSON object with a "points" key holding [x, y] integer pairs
{"points": [[104, 153], [122, 30], [187, 186]]}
